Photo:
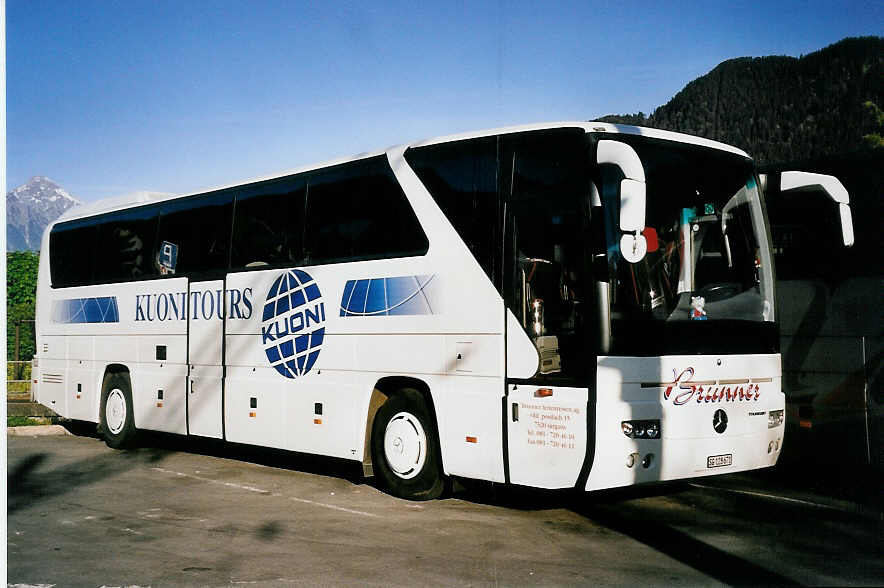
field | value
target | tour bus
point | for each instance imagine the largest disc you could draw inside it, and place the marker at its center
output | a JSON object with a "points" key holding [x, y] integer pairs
{"points": [[576, 305], [831, 317]]}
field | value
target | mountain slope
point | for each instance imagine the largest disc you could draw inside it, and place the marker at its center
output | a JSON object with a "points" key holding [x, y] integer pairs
{"points": [[782, 108], [30, 208]]}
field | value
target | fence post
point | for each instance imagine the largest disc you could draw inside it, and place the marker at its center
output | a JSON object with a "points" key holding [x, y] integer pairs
{"points": [[17, 372]]}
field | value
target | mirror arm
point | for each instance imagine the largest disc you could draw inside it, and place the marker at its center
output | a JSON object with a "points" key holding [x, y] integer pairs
{"points": [[797, 181]]}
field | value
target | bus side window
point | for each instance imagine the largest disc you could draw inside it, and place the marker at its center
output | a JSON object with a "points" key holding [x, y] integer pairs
{"points": [[358, 211], [200, 227], [268, 227], [462, 177], [71, 253], [125, 245]]}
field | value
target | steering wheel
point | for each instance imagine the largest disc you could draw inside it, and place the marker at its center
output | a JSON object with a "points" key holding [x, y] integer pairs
{"points": [[719, 291]]}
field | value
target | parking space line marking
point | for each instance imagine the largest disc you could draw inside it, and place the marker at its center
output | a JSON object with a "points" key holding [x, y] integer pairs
{"points": [[260, 491], [333, 507], [210, 480], [769, 496]]}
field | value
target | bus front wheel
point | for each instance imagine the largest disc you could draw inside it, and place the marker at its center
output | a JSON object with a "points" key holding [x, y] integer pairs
{"points": [[405, 448], [117, 419]]}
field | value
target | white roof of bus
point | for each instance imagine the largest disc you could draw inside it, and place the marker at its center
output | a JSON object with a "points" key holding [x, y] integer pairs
{"points": [[137, 198]]}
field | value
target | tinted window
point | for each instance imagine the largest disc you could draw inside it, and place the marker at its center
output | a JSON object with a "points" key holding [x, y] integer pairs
{"points": [[71, 253], [806, 232], [358, 211], [462, 177], [268, 228], [199, 229], [125, 246], [545, 182]]}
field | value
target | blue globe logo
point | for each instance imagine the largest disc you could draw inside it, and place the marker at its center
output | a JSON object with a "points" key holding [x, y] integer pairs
{"points": [[293, 324]]}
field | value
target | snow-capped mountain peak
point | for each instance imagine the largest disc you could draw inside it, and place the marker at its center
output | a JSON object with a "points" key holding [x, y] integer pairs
{"points": [[30, 208]]}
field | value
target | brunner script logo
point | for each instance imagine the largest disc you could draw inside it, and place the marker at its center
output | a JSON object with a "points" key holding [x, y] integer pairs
{"points": [[686, 389], [293, 323]]}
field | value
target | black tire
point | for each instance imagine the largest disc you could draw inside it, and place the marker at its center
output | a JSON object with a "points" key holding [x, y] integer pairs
{"points": [[116, 415], [411, 467]]}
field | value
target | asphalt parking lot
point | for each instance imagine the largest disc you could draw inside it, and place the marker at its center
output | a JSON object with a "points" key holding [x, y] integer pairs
{"points": [[197, 513]]}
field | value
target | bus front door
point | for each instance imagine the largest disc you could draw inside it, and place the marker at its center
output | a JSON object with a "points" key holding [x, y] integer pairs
{"points": [[205, 336]]}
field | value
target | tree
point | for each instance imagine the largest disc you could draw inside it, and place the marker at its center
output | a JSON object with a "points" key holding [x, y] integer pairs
{"points": [[874, 140], [21, 296]]}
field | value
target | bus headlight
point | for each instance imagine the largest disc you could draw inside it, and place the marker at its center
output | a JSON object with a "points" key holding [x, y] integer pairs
{"points": [[641, 429], [774, 419]]}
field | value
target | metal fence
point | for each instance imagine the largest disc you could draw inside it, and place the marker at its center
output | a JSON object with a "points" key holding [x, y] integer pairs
{"points": [[18, 380]]}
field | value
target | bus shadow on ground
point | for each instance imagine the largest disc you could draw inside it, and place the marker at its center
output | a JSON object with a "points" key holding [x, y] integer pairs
{"points": [[613, 510], [265, 456], [699, 555], [168, 443]]}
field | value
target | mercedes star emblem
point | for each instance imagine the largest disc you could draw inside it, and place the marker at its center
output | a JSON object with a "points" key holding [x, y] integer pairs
{"points": [[719, 421]]}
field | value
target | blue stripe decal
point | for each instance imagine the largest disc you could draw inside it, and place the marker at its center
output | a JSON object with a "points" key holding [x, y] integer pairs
{"points": [[102, 309], [397, 296]]}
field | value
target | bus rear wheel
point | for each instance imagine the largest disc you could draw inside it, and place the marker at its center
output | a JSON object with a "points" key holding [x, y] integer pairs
{"points": [[117, 418], [405, 448]]}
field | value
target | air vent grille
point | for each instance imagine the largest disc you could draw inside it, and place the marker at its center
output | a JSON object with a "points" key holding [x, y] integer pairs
{"points": [[53, 378]]}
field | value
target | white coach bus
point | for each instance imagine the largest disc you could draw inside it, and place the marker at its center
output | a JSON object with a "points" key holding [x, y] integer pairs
{"points": [[572, 305]]}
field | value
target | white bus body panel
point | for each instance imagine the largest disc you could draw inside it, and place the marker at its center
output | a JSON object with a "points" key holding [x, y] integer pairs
{"points": [[547, 435], [84, 330], [685, 392], [358, 351], [206, 303]]}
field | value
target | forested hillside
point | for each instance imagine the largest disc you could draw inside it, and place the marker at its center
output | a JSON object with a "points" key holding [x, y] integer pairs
{"points": [[783, 109], [21, 294]]}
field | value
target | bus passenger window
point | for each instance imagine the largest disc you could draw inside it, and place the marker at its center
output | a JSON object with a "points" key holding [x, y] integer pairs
{"points": [[125, 245], [201, 229], [462, 178], [358, 211], [71, 258], [268, 227]]}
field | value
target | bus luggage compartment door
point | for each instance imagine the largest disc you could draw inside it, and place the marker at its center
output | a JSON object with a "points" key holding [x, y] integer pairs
{"points": [[205, 335], [546, 430]]}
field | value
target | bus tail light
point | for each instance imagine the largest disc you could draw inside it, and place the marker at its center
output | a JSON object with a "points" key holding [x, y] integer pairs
{"points": [[543, 393], [774, 419], [641, 429]]}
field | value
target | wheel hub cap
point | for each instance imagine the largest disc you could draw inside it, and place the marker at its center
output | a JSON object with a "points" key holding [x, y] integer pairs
{"points": [[405, 445], [115, 411]]}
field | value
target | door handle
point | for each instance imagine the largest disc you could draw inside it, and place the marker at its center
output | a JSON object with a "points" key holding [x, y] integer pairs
{"points": [[515, 411]]}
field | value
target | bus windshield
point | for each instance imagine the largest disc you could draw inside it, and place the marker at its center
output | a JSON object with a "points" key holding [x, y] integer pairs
{"points": [[708, 257]]}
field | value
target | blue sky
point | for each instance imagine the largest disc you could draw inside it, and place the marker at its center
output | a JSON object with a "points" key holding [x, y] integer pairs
{"points": [[108, 97]]}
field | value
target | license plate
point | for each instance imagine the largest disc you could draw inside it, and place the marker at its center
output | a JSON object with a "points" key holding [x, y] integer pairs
{"points": [[719, 461]]}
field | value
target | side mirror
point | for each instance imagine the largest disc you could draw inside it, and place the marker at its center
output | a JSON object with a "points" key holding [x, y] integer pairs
{"points": [[796, 181], [633, 245]]}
